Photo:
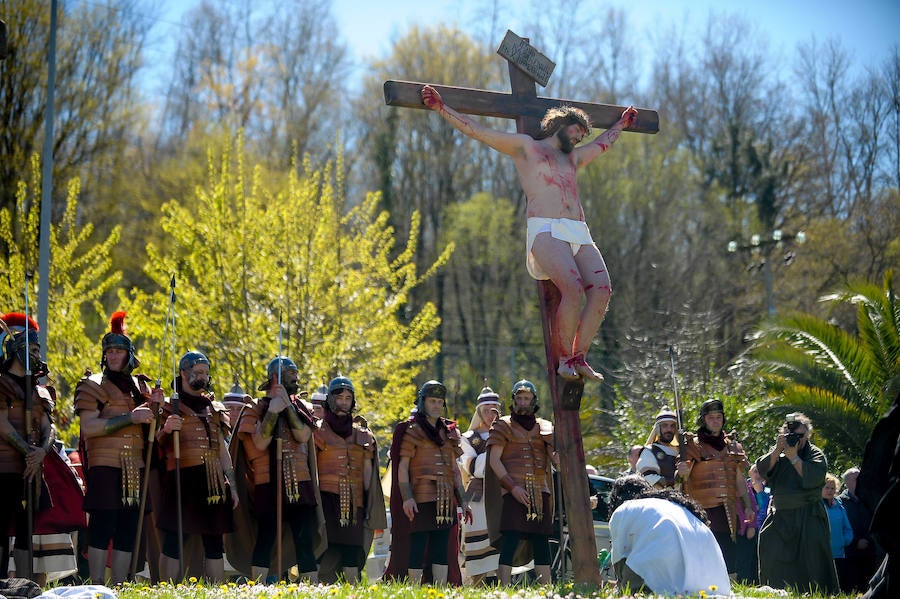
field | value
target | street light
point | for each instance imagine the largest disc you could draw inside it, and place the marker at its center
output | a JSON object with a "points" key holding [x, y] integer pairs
{"points": [[760, 248]]}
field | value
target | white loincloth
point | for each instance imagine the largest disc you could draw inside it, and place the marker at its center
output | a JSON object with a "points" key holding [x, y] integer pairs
{"points": [[574, 232]]}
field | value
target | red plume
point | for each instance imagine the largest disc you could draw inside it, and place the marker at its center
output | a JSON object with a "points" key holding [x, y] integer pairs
{"points": [[17, 320], [117, 322]]}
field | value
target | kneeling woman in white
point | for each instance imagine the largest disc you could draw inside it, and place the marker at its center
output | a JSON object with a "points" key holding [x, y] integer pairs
{"points": [[660, 541]]}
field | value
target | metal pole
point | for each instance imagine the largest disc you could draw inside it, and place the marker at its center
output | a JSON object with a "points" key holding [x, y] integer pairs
{"points": [[279, 471], [47, 185], [28, 571], [151, 437]]}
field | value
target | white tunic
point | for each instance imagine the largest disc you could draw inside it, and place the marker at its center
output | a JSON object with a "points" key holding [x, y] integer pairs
{"points": [[670, 548]]}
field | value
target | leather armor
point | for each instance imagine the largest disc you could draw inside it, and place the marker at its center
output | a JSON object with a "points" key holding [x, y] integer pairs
{"points": [[294, 454], [13, 401], [713, 477], [199, 434], [341, 459], [525, 454], [431, 467], [98, 393]]}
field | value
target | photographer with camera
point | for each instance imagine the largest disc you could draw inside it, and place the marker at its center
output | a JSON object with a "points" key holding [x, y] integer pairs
{"points": [[794, 541]]}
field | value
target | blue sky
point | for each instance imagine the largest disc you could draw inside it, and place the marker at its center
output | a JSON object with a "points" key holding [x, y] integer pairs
{"points": [[868, 29]]}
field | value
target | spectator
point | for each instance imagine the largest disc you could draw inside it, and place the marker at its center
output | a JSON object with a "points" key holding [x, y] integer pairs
{"points": [[861, 556], [879, 489], [794, 548], [841, 531], [746, 541], [634, 455]]}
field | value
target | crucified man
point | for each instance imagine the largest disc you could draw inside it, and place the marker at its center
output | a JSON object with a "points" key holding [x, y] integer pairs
{"points": [[559, 244]]}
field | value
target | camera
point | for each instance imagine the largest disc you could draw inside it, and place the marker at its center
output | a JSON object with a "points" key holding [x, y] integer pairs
{"points": [[793, 438]]}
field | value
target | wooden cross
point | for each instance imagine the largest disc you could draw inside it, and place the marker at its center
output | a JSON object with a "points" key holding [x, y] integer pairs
{"points": [[527, 67]]}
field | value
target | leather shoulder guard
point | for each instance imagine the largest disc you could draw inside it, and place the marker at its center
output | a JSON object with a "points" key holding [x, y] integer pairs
{"points": [[89, 395]]}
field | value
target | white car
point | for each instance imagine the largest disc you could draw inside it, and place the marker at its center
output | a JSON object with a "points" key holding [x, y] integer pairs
{"points": [[381, 548]]}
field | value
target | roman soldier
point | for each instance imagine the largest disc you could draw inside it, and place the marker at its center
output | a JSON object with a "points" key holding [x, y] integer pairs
{"points": [[520, 450], [114, 406], [234, 401], [318, 399], [279, 420], [714, 476], [202, 464], [26, 433], [349, 483], [429, 480], [657, 459]]}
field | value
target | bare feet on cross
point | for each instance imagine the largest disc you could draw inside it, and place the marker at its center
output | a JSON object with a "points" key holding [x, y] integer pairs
{"points": [[573, 368]]}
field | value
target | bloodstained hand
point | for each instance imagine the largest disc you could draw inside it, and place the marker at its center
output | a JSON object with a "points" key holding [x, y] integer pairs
{"points": [[432, 98], [629, 116]]}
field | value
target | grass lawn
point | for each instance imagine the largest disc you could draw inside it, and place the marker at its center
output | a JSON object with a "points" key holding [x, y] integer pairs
{"points": [[377, 590]]}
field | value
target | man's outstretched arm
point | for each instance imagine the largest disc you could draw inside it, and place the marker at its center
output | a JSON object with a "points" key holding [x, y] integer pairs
{"points": [[505, 143], [589, 151]]}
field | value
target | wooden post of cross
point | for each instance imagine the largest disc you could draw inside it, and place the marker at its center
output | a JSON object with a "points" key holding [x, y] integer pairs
{"points": [[527, 67]]}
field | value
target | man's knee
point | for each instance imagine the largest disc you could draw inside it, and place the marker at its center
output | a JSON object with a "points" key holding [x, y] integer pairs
{"points": [[571, 287]]}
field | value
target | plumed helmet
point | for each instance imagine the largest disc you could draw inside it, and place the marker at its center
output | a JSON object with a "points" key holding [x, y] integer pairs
{"points": [[527, 385], [191, 359], [430, 388], [711, 406], [14, 337], [320, 395], [339, 383], [117, 338]]}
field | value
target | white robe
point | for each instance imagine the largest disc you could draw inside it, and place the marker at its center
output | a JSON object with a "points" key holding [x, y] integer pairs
{"points": [[667, 546]]}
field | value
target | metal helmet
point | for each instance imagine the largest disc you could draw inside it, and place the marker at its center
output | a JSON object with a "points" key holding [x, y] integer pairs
{"points": [[529, 386], [320, 395], [339, 383], [708, 407], [117, 338], [283, 361], [430, 388], [14, 338], [191, 359]]}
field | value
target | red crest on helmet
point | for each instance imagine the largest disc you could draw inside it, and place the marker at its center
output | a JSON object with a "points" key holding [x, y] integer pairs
{"points": [[17, 320], [117, 322]]}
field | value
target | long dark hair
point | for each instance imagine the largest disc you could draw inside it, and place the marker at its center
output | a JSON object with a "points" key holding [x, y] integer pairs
{"points": [[634, 486]]}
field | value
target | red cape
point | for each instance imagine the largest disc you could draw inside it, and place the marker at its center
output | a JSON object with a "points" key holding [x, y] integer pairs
{"points": [[398, 562]]}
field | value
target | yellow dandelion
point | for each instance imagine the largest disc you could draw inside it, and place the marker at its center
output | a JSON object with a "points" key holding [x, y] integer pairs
{"points": [[192, 580], [713, 587]]}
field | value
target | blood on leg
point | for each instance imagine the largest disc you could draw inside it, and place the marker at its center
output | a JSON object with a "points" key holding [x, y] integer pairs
{"points": [[555, 258]]}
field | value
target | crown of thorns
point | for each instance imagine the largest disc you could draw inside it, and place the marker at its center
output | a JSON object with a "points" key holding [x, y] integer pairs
{"points": [[559, 116]]}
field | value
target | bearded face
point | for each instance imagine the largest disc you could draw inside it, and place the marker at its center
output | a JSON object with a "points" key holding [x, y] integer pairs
{"points": [[197, 378], [666, 431], [523, 404], [569, 137], [566, 145], [289, 380]]}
